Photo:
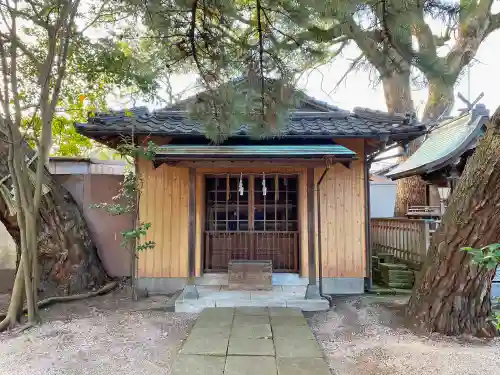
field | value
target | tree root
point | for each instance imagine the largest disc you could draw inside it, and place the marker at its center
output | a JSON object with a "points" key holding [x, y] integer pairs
{"points": [[5, 323]]}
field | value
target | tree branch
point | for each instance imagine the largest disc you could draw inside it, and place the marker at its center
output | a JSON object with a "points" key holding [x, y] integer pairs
{"points": [[475, 26], [261, 57], [12, 38]]}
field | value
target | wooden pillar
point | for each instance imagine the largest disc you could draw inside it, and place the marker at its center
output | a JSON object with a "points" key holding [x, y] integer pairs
{"points": [[190, 290], [312, 288]]}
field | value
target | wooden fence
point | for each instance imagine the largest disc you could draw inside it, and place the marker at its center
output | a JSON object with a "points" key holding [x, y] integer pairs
{"points": [[405, 239]]}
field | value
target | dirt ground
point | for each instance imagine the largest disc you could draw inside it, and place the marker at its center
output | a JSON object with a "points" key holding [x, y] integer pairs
{"points": [[366, 336], [114, 335], [105, 335]]}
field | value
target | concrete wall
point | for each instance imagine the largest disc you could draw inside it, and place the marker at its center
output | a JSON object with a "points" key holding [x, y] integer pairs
{"points": [[7, 260], [88, 189], [7, 249]]}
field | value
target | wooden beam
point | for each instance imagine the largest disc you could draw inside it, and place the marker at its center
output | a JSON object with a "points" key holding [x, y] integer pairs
{"points": [[346, 164], [311, 226], [190, 291]]}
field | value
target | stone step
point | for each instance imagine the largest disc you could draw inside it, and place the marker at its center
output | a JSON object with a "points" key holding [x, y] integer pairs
{"points": [[196, 306]]}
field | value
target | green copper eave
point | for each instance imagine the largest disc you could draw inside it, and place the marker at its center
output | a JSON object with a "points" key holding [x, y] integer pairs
{"points": [[280, 151]]}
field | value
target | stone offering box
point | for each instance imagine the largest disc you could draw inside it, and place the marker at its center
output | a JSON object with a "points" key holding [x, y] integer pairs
{"points": [[250, 275]]}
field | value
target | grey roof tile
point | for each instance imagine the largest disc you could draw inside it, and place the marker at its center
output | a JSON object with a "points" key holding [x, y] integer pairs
{"points": [[335, 122]]}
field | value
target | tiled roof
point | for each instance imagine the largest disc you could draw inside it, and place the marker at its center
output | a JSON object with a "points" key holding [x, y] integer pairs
{"points": [[335, 122], [444, 143]]}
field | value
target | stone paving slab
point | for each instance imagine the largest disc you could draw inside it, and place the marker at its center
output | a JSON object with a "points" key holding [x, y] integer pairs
{"points": [[213, 322], [209, 332], [251, 341], [302, 366], [212, 345], [250, 347], [257, 331], [288, 321], [247, 310], [220, 311], [243, 365], [250, 320], [297, 348], [250, 303], [297, 333], [198, 365]]}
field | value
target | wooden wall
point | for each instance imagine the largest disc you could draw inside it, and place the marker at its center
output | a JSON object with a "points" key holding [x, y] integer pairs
{"points": [[343, 216], [165, 197], [164, 203]]}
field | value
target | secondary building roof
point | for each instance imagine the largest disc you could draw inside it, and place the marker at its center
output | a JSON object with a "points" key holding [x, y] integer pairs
{"points": [[444, 144]]}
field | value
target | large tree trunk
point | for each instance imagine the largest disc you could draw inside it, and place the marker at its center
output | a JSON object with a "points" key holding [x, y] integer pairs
{"points": [[397, 91], [68, 258], [440, 99], [410, 191], [452, 296]]}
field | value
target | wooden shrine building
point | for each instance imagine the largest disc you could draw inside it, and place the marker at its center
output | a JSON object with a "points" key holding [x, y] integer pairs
{"points": [[257, 199]]}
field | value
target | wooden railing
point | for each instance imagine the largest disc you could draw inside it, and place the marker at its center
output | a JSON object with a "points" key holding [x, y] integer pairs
{"points": [[405, 239], [279, 247], [424, 211]]}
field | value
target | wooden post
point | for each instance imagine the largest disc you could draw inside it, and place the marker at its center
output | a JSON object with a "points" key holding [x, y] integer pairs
{"points": [[190, 291], [312, 288]]}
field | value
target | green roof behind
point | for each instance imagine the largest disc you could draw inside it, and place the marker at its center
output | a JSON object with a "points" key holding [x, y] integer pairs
{"points": [[443, 144]]}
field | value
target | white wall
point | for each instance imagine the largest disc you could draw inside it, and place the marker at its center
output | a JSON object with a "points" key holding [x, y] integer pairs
{"points": [[382, 198]]}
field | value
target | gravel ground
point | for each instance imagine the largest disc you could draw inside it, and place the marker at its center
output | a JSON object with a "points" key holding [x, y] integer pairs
{"points": [[93, 339], [364, 336], [113, 335]]}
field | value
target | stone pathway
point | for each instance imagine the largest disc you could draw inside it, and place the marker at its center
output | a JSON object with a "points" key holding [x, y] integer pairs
{"points": [[250, 341]]}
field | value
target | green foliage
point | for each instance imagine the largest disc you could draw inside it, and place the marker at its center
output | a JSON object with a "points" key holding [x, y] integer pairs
{"points": [[223, 40], [127, 199], [489, 257], [147, 150], [134, 235]]}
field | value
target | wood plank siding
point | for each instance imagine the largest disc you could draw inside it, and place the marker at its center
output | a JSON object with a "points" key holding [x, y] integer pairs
{"points": [[343, 216], [165, 198], [164, 203]]}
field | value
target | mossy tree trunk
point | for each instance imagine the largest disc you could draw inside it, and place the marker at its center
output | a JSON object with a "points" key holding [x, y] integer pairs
{"points": [[67, 256], [452, 296]]}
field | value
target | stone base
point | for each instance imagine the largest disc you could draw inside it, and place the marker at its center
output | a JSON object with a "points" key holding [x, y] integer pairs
{"points": [[312, 292], [343, 285], [331, 285], [160, 285], [189, 292]]}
